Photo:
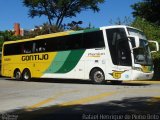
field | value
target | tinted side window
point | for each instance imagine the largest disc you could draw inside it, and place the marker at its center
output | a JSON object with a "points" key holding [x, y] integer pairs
{"points": [[69, 42], [26, 47], [93, 39], [12, 49], [75, 41], [18, 48], [52, 44], [38, 46]]}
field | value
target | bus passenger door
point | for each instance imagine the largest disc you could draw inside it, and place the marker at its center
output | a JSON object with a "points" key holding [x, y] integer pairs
{"points": [[124, 58], [120, 53]]}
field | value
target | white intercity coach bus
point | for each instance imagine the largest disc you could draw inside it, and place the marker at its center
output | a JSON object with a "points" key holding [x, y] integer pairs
{"points": [[113, 53]]}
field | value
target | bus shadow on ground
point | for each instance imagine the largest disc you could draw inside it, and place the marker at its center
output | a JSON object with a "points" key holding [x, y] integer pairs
{"points": [[77, 81], [132, 108]]}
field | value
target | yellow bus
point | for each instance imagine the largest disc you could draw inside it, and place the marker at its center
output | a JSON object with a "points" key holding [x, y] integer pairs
{"points": [[113, 53]]}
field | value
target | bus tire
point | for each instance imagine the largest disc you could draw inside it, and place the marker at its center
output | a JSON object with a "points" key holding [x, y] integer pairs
{"points": [[17, 74], [97, 76], [26, 75]]}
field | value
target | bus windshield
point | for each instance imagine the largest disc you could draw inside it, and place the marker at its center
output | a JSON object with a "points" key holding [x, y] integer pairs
{"points": [[142, 54]]}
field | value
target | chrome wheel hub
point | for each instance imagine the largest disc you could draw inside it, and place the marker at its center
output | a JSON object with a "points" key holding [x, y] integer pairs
{"points": [[26, 76], [98, 76]]}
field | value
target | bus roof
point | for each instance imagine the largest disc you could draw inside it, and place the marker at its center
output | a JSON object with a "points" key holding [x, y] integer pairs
{"points": [[119, 26], [68, 33]]}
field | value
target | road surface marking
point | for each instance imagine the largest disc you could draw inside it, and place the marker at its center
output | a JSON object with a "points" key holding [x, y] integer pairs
{"points": [[39, 104], [155, 99], [87, 99]]}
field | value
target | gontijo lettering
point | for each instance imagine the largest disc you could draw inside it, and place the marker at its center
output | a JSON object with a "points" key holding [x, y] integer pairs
{"points": [[35, 57]]}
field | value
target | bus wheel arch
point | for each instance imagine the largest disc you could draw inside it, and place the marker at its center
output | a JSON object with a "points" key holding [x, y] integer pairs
{"points": [[17, 74], [26, 74], [97, 75]]}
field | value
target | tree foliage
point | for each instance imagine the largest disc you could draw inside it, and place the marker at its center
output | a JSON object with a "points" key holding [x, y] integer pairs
{"points": [[73, 25], [7, 36], [148, 9], [151, 30], [44, 29], [57, 10]]}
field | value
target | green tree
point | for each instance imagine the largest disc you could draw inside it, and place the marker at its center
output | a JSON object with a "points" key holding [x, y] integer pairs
{"points": [[1, 40], [44, 29], [57, 10], [148, 9], [74, 25], [8, 36], [151, 30]]}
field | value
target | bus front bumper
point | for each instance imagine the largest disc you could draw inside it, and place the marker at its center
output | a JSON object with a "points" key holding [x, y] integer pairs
{"points": [[139, 75]]}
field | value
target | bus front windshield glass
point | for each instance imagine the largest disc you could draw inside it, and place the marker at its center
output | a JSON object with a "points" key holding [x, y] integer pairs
{"points": [[142, 54]]}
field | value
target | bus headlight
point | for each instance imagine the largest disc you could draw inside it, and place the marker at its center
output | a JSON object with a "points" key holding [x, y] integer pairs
{"points": [[137, 68]]}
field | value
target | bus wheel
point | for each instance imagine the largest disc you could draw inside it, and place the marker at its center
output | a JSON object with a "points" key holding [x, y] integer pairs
{"points": [[17, 74], [26, 75], [97, 76]]}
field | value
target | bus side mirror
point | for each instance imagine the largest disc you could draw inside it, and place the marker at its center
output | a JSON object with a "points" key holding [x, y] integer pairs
{"points": [[134, 41], [154, 44]]}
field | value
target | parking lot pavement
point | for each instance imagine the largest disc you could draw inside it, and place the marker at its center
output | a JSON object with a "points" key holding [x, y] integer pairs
{"points": [[61, 99]]}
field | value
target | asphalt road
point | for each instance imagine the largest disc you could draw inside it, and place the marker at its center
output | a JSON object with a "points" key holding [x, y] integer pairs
{"points": [[43, 99]]}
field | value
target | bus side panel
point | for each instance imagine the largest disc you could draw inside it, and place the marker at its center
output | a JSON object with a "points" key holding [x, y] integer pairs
{"points": [[38, 66], [6, 70], [94, 58], [76, 73], [67, 64], [77, 65], [36, 63]]}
